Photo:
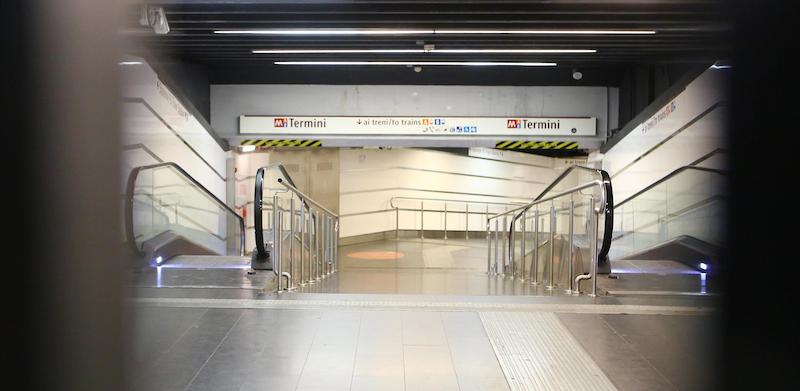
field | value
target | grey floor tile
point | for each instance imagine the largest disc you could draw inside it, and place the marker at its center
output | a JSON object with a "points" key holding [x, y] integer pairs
{"points": [[682, 348], [483, 383], [429, 368], [627, 368], [381, 383], [423, 328], [381, 364], [184, 360], [156, 329], [273, 383]]}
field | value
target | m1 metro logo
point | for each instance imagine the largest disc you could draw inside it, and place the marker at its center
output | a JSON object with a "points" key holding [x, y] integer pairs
{"points": [[540, 124], [299, 122]]}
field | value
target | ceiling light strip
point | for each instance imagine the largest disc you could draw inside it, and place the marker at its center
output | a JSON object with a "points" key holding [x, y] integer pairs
{"points": [[430, 32], [327, 32], [420, 63], [549, 32], [451, 51]]}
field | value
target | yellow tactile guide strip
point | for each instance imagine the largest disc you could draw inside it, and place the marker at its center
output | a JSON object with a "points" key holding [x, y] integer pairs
{"points": [[536, 352]]}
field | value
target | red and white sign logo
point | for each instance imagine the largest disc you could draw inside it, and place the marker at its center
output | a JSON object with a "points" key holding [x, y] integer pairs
{"points": [[513, 123], [281, 122]]}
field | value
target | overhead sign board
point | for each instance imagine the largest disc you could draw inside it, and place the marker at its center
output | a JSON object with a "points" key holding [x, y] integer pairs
{"points": [[417, 126]]}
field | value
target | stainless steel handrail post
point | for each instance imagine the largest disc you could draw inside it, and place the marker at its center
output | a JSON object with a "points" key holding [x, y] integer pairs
{"points": [[291, 236], [488, 248], [318, 247], [487, 217], [535, 260], [593, 247], [592, 250], [276, 260], [512, 249], [302, 245], [445, 221], [503, 259], [550, 283], [496, 248], [522, 248], [336, 229], [324, 245], [422, 220], [466, 222], [330, 245], [570, 260]]}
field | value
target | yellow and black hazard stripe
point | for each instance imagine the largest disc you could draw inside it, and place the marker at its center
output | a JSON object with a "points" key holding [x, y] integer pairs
{"points": [[513, 144], [282, 143]]}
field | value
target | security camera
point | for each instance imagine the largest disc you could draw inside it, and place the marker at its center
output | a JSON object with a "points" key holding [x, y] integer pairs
{"points": [[576, 74], [418, 69], [155, 18]]}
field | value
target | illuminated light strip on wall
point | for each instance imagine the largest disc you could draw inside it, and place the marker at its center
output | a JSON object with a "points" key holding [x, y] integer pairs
{"points": [[420, 63], [430, 32], [346, 51]]}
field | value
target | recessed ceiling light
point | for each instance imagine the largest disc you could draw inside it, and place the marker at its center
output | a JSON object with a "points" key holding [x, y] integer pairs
{"points": [[457, 51], [431, 32], [420, 63], [129, 63]]}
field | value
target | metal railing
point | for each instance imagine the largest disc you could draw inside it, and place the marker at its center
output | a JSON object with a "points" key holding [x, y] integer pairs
{"points": [[480, 208], [304, 233], [502, 259]]}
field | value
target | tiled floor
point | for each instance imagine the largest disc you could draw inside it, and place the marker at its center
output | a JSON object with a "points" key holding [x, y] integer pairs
{"points": [[417, 323], [223, 349], [374, 349]]}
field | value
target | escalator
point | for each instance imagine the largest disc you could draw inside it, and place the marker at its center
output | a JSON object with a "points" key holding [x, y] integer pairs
{"points": [[174, 222], [169, 215], [678, 218], [667, 237]]}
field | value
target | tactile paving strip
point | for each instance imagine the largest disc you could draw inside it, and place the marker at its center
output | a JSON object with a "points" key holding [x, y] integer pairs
{"points": [[536, 352]]}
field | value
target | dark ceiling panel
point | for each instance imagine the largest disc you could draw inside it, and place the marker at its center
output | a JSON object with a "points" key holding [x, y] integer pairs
{"points": [[688, 32]]}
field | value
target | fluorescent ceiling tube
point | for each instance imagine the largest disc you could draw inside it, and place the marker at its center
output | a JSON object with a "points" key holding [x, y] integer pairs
{"points": [[322, 51], [459, 51], [514, 51], [550, 32], [420, 63], [430, 32], [326, 32]]}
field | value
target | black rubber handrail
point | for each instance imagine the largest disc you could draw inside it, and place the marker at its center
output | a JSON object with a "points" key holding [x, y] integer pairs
{"points": [[129, 194], [670, 175], [609, 212], [258, 220]]}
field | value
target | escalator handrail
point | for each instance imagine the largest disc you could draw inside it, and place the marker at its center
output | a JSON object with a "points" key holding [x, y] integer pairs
{"points": [[258, 198], [670, 175], [129, 194]]}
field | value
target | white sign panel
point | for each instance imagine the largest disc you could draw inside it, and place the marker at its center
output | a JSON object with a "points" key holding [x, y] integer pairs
{"points": [[417, 126]]}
